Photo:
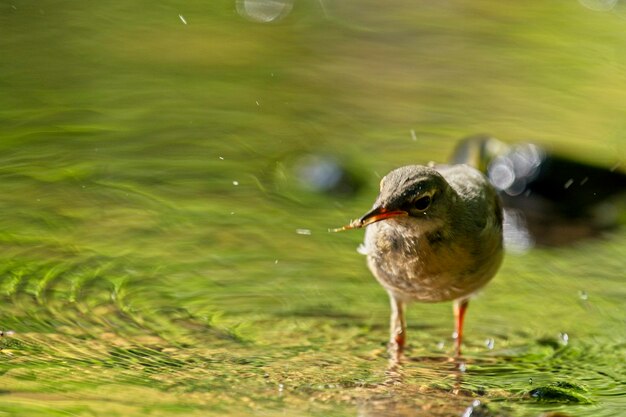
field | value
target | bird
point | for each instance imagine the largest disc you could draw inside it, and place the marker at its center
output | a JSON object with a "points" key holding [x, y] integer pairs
{"points": [[434, 234]]}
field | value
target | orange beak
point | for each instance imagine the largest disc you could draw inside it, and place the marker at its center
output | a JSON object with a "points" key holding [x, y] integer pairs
{"points": [[375, 215], [379, 213]]}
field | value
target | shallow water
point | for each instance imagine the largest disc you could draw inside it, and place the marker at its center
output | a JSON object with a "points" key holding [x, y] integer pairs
{"points": [[160, 256]]}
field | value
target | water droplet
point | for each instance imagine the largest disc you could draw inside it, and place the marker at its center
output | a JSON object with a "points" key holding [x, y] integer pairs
{"points": [[614, 167], [517, 238], [490, 343], [564, 338], [362, 249], [303, 231], [599, 5], [501, 173], [264, 11], [470, 410]]}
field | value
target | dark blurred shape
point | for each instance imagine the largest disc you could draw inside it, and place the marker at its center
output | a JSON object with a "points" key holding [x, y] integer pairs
{"points": [[549, 199], [320, 173], [325, 174], [316, 173]]}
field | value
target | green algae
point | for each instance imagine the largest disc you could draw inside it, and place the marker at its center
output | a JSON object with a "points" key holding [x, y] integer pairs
{"points": [[560, 392]]}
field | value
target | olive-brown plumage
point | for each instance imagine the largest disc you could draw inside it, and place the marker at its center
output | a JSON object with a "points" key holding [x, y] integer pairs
{"points": [[434, 234]]}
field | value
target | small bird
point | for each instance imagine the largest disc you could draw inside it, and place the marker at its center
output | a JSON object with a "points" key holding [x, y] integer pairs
{"points": [[434, 234]]}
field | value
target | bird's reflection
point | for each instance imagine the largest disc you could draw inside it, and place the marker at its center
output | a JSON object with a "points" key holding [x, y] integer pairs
{"points": [[408, 390]]}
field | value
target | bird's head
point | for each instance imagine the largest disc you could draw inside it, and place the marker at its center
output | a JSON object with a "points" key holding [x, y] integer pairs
{"points": [[417, 192]]}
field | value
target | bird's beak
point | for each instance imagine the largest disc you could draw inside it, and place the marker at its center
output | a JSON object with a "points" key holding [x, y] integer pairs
{"points": [[379, 213], [375, 215]]}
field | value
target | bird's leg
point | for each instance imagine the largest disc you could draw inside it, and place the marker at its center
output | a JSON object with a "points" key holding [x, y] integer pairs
{"points": [[397, 326], [460, 307]]}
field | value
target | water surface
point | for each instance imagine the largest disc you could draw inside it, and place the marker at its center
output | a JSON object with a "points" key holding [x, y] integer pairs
{"points": [[159, 255]]}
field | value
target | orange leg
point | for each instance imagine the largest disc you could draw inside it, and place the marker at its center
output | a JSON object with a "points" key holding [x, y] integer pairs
{"points": [[460, 307]]}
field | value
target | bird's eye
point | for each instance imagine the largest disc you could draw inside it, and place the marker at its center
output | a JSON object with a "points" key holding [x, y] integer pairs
{"points": [[422, 203]]}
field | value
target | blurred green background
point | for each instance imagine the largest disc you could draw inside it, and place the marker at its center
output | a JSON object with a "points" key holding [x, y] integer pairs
{"points": [[161, 255]]}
